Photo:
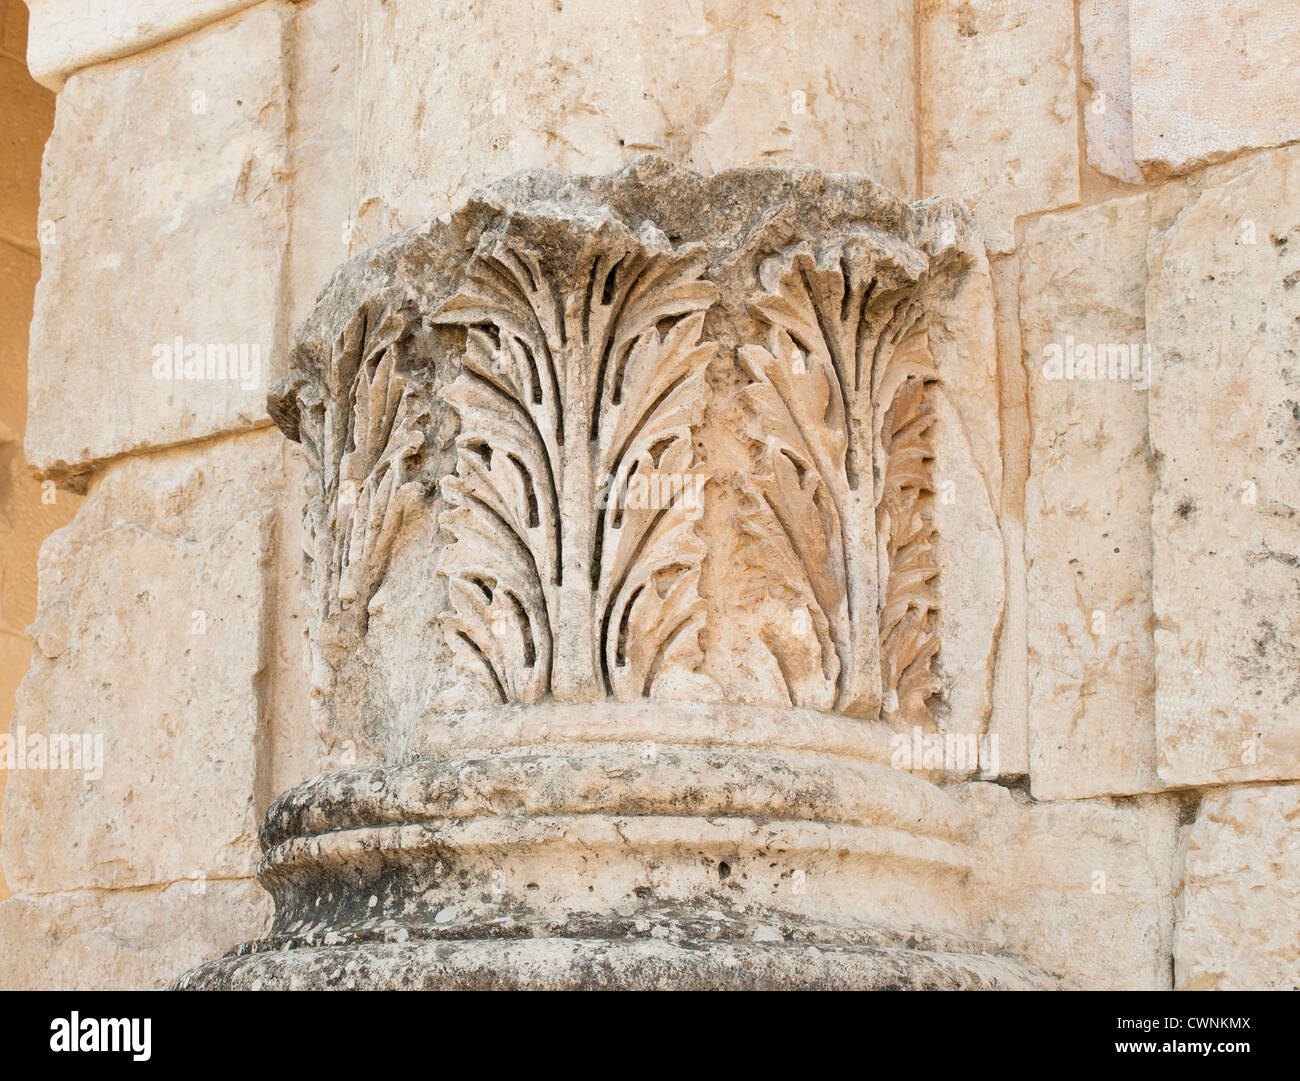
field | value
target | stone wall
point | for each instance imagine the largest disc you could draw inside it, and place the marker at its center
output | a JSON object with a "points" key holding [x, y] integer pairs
{"points": [[1132, 170], [29, 510]]}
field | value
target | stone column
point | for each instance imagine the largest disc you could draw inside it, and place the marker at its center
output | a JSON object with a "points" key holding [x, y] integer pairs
{"points": [[623, 544]]}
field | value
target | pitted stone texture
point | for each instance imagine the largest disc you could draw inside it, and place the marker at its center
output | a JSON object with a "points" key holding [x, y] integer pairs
{"points": [[1108, 115], [1211, 78], [1226, 513], [15, 656], [968, 475], [776, 960], [324, 62], [70, 34], [171, 228], [128, 940], [998, 108], [1239, 900], [1082, 889], [164, 546], [586, 85], [772, 868], [1087, 505]]}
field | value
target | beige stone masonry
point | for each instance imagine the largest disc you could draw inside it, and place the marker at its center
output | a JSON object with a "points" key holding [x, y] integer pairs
{"points": [[151, 637], [123, 940], [1082, 888], [1211, 78], [1087, 502], [1239, 900], [1108, 111], [998, 111], [587, 85], [68, 35], [1222, 309], [189, 206]]}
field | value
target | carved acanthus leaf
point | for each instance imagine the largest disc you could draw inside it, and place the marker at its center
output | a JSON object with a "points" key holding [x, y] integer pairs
{"points": [[804, 409], [648, 555], [571, 402], [908, 631], [376, 486], [795, 402]]}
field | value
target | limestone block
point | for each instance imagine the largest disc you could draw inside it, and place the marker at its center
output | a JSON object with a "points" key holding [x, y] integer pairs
{"points": [[26, 115], [292, 748], [324, 54], [1223, 424], [167, 233], [130, 940], [71, 34], [1083, 889], [1108, 115], [586, 85], [15, 656], [1238, 905], [998, 111], [1087, 502], [149, 643], [1009, 720], [1211, 78]]}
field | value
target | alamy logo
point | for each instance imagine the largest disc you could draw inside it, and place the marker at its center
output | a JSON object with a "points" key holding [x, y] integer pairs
{"points": [[53, 750], [957, 751], [77, 1033], [178, 360], [1116, 361], [657, 491]]}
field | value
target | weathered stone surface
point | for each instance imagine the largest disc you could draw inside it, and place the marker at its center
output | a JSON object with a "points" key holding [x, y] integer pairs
{"points": [[687, 784], [672, 463], [150, 635], [968, 479], [771, 869], [586, 85], [71, 34], [293, 748], [1009, 720], [1211, 78], [998, 110], [780, 956], [1108, 115], [1082, 889], [1226, 512], [773, 357], [123, 941], [202, 186], [322, 59], [1238, 905], [15, 656], [1087, 503]]}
